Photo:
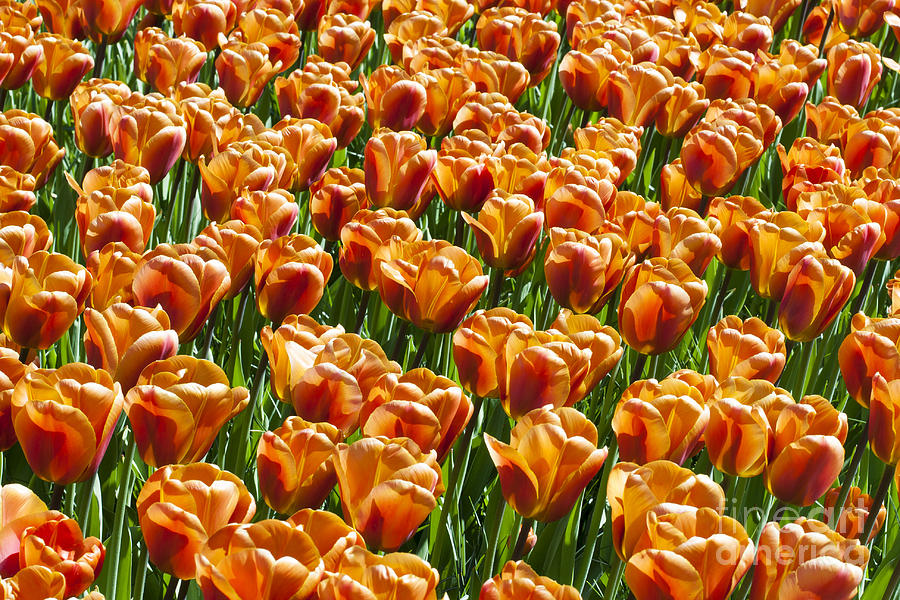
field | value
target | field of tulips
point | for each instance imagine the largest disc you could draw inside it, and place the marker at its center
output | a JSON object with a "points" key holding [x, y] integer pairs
{"points": [[460, 299]]}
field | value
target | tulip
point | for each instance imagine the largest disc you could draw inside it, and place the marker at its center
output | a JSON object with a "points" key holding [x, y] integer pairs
{"points": [[266, 560], [234, 243], [149, 137], [361, 574], [506, 231], [273, 213], [181, 506], [46, 294], [163, 62], [432, 284], [749, 349], [551, 458], [582, 271], [397, 167], [388, 488], [65, 63], [294, 464], [854, 68], [478, 347], [636, 491], [345, 38], [329, 533], [806, 558], [28, 145], [290, 275], [851, 520], [696, 550], [204, 20], [64, 419], [244, 70], [815, 292], [112, 271], [661, 299], [659, 420], [518, 581], [123, 340], [58, 543], [430, 410]]}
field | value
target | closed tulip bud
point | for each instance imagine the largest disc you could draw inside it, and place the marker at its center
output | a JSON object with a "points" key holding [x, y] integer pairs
{"points": [[294, 464], [869, 348], [681, 110], [331, 535], [661, 299], [46, 294], [690, 550], [854, 68], [58, 543], [362, 574], [397, 167], [478, 348], [64, 418], [65, 63], [544, 444], [394, 100], [345, 38], [432, 284], [166, 62], [429, 409], [28, 145], [290, 275], [204, 20], [656, 420], [16, 190], [850, 520], [123, 340], [507, 231], [365, 243], [807, 558], [816, 290], [273, 213], [181, 506], [244, 70], [268, 560], [636, 491], [582, 271], [388, 488], [749, 349], [517, 581]]}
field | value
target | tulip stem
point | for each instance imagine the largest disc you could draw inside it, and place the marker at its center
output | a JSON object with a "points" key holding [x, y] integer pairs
{"points": [[519, 550], [883, 487], [420, 352], [57, 497], [363, 309], [847, 482]]}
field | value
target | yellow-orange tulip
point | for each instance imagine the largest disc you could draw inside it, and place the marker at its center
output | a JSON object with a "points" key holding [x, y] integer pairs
{"points": [[478, 348], [290, 274], [506, 231], [397, 168], [582, 271], [551, 457], [181, 506], [388, 488], [64, 419], [816, 290], [362, 574], [748, 348], [294, 464], [518, 581], [365, 243]]}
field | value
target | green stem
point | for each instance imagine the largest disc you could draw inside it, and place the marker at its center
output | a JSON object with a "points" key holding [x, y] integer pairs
{"points": [[113, 552]]}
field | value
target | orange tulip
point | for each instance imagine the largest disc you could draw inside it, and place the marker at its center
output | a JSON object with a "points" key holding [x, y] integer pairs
{"points": [[64, 419], [294, 464], [582, 271], [273, 213], [397, 167], [244, 70], [28, 145], [697, 551], [290, 274], [853, 515], [365, 243], [266, 560], [329, 533], [854, 68], [113, 215], [661, 299], [335, 199], [431, 284], [635, 491], [388, 488], [163, 62], [506, 231], [806, 558], [65, 63], [361, 574], [747, 348], [345, 38], [869, 348], [181, 506], [478, 347], [123, 340], [112, 271], [551, 458], [657, 420], [204, 20], [517, 581], [429, 409], [46, 294], [816, 290], [150, 137]]}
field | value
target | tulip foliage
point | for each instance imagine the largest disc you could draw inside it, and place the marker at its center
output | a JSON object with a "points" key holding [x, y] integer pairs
{"points": [[449, 299]]}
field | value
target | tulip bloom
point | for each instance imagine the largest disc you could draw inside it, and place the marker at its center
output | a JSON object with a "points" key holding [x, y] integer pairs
{"points": [[871, 347], [656, 420], [46, 294], [65, 63], [123, 340], [362, 574], [518, 581], [112, 271], [582, 271], [64, 419], [748, 349], [294, 464], [397, 167], [816, 290], [335, 199], [806, 558], [478, 347], [854, 68], [388, 488], [290, 274], [661, 299], [850, 520], [507, 231], [429, 409], [431, 284], [268, 560], [244, 70], [187, 286], [551, 458], [181, 506]]}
